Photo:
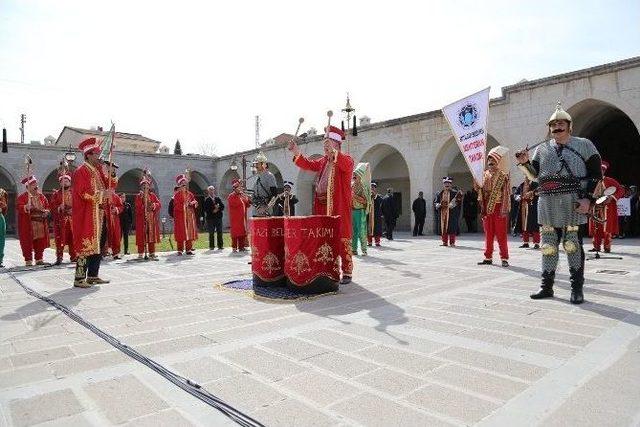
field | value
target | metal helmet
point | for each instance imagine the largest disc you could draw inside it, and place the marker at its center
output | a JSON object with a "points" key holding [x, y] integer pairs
{"points": [[559, 114], [261, 158]]}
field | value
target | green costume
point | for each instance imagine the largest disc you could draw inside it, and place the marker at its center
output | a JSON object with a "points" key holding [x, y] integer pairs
{"points": [[360, 207]]}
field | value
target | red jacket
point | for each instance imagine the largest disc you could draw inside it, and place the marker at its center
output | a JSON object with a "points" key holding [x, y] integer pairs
{"points": [[238, 205], [184, 216], [611, 224], [152, 223], [32, 221], [338, 189], [60, 216], [87, 213]]}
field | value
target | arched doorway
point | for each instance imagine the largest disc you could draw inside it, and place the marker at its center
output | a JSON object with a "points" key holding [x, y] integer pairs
{"points": [[9, 185], [51, 183], [277, 174], [129, 185], [614, 134], [450, 162], [390, 170], [304, 189], [198, 186]]}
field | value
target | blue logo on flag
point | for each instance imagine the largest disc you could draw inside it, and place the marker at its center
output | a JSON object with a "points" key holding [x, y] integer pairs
{"points": [[468, 115]]}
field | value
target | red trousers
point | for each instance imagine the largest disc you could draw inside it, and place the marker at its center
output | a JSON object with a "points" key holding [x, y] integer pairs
{"points": [[31, 247], [533, 234], [238, 242], [181, 245], [370, 239], [448, 239], [600, 236], [64, 236], [495, 228], [151, 246]]}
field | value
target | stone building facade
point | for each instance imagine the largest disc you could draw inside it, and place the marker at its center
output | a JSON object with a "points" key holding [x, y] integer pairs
{"points": [[411, 154]]}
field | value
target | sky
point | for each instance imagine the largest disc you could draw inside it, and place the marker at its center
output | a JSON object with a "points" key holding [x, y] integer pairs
{"points": [[200, 71]]}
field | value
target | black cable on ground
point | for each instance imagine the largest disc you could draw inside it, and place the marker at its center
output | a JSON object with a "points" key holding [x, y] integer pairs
{"points": [[186, 384]]}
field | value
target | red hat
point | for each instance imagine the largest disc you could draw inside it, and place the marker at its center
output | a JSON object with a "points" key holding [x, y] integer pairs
{"points": [[181, 179], [604, 165], [65, 176], [29, 180], [334, 134], [89, 145], [235, 183]]}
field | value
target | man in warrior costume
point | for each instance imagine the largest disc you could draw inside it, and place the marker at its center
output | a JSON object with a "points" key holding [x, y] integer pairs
{"points": [[374, 227], [568, 171], [608, 211], [264, 189], [61, 210], [147, 225], [360, 207], [238, 203], [333, 189], [185, 229], [33, 227], [448, 202], [527, 220], [495, 204]]}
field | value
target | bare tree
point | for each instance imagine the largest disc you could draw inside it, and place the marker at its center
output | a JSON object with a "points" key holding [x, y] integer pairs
{"points": [[207, 149]]}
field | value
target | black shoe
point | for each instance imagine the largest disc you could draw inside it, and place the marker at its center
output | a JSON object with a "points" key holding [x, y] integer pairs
{"points": [[485, 262], [189, 253], [443, 244], [524, 245], [536, 246], [505, 263], [577, 297], [594, 250], [607, 251], [543, 292], [58, 262], [345, 280]]}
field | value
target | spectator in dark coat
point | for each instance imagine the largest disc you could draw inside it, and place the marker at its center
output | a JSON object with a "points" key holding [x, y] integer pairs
{"points": [[470, 210], [390, 212], [419, 208], [213, 208], [126, 218]]}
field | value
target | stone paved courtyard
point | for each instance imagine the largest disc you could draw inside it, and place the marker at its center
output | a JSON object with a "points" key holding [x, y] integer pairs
{"points": [[423, 336]]}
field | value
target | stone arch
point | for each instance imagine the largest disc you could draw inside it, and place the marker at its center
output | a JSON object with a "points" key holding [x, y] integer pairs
{"points": [[198, 186], [50, 183], [8, 183], [390, 169], [614, 134], [275, 170], [450, 162], [304, 189], [129, 183]]}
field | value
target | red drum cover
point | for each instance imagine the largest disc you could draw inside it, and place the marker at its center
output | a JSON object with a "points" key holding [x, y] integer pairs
{"points": [[312, 245], [267, 251]]}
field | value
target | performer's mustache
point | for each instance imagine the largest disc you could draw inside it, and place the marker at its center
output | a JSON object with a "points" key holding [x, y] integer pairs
{"points": [[557, 130]]}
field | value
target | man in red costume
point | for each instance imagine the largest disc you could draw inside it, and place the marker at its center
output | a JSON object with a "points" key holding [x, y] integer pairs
{"points": [[147, 224], [89, 192], [113, 209], [238, 203], [495, 203], [184, 215], [33, 227], [602, 232], [333, 189], [61, 210]]}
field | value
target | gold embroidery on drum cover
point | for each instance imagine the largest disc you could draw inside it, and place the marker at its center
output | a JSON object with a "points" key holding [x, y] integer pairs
{"points": [[324, 254], [301, 263], [270, 263]]}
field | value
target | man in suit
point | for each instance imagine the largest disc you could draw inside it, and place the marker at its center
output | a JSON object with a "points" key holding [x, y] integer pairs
{"points": [[419, 208], [126, 218], [390, 212], [213, 208]]}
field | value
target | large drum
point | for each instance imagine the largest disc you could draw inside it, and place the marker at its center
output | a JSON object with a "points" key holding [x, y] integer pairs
{"points": [[267, 251], [312, 245]]}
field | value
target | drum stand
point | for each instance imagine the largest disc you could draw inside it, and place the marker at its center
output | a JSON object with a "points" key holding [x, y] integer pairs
{"points": [[596, 256]]}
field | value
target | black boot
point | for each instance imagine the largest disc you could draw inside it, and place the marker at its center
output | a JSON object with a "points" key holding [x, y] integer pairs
{"points": [[577, 281], [546, 288]]}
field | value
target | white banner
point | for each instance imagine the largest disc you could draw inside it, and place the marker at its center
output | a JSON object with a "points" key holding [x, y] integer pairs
{"points": [[624, 206], [468, 121]]}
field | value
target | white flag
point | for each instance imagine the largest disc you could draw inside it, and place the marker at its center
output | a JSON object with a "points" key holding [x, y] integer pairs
{"points": [[468, 121]]}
